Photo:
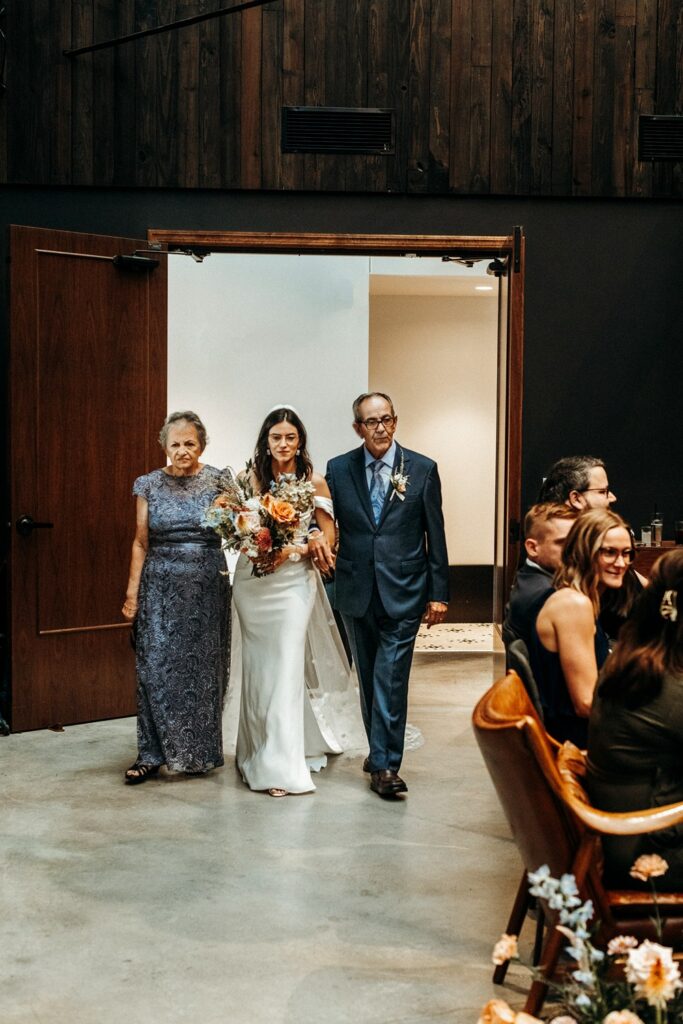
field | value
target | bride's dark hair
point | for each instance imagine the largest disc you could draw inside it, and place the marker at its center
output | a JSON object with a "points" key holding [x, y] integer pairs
{"points": [[263, 464]]}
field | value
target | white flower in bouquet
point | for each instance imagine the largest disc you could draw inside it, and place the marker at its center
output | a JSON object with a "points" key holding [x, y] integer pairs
{"points": [[622, 1017], [650, 968], [247, 522], [497, 1011], [647, 866], [505, 949], [620, 945]]}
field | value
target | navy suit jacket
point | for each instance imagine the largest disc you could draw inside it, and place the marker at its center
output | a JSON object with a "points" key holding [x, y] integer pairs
{"points": [[529, 593], [404, 553]]}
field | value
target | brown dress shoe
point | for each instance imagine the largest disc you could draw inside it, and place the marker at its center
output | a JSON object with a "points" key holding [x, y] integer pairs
{"points": [[366, 765], [387, 783]]}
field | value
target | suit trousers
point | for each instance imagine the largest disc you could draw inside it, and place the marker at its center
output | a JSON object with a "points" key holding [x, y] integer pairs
{"points": [[383, 652]]}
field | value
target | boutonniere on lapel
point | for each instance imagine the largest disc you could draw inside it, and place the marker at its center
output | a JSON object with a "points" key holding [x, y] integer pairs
{"points": [[399, 481]]}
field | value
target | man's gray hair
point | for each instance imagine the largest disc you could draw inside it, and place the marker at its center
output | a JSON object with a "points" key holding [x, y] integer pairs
{"points": [[187, 416], [566, 475], [370, 394]]}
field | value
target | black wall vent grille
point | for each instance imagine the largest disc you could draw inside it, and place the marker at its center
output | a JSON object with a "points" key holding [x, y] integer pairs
{"points": [[660, 137], [337, 130]]}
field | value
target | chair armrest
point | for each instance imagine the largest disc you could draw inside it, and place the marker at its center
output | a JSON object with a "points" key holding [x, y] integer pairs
{"points": [[571, 764]]}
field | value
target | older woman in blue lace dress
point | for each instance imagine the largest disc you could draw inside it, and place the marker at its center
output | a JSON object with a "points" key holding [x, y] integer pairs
{"points": [[178, 597]]}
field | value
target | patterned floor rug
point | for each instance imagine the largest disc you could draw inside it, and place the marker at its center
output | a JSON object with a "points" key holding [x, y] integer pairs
{"points": [[458, 636]]}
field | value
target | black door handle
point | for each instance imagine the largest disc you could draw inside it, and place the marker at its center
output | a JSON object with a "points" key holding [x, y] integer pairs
{"points": [[26, 525]]}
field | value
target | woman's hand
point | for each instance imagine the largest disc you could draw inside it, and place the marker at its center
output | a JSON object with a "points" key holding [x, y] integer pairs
{"points": [[130, 609], [274, 559], [266, 564], [321, 553]]}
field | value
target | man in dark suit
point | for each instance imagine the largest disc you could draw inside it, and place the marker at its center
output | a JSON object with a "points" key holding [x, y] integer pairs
{"points": [[545, 530], [390, 570]]}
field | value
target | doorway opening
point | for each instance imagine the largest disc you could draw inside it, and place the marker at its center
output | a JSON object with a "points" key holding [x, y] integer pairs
{"points": [[250, 331], [507, 254]]}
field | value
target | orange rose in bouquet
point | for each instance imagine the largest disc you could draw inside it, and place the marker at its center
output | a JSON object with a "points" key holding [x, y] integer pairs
{"points": [[280, 511]]}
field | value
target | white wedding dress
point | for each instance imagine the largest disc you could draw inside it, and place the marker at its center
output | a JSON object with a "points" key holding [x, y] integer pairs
{"points": [[298, 700]]}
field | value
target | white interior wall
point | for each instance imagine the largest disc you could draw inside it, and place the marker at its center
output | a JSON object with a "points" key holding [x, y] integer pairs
{"points": [[249, 331], [246, 332], [436, 356]]}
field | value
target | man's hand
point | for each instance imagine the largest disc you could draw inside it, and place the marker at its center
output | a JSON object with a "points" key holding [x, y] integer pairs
{"points": [[435, 613], [321, 553]]}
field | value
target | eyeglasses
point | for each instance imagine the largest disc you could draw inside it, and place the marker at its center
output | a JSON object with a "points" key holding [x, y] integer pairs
{"points": [[605, 491], [372, 423], [610, 555]]}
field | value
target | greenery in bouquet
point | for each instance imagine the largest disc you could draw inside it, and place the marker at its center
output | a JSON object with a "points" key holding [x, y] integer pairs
{"points": [[260, 525], [630, 982]]}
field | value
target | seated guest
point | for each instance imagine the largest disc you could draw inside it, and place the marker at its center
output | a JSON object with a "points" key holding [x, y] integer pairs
{"points": [[568, 645], [545, 530], [616, 605], [635, 740], [580, 481]]}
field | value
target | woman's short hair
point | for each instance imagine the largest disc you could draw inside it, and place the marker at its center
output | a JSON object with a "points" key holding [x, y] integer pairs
{"points": [[180, 417], [263, 464], [579, 568], [651, 640]]}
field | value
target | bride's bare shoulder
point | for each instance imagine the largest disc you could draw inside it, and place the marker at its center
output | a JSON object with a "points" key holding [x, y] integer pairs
{"points": [[320, 484]]}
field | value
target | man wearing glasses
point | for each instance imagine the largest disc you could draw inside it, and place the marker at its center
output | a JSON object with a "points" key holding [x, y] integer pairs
{"points": [[390, 571], [577, 480]]}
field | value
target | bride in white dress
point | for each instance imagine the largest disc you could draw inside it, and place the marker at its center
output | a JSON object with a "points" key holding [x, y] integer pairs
{"points": [[298, 699]]}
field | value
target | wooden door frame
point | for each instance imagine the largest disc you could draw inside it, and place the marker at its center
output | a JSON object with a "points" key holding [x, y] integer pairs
{"points": [[510, 248], [113, 691]]}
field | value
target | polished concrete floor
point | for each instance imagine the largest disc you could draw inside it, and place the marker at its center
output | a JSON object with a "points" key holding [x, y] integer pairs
{"points": [[195, 901]]}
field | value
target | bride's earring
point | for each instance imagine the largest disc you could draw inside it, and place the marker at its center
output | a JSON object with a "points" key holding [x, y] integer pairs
{"points": [[298, 451]]}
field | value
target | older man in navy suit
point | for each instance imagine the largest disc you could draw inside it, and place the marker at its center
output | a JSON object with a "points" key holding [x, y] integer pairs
{"points": [[390, 571]]}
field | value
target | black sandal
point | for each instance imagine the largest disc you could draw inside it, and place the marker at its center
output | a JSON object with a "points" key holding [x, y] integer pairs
{"points": [[140, 772]]}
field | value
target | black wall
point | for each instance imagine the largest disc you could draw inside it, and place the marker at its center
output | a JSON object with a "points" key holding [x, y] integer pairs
{"points": [[604, 304]]}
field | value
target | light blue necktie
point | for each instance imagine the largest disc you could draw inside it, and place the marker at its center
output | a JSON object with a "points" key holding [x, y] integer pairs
{"points": [[377, 488]]}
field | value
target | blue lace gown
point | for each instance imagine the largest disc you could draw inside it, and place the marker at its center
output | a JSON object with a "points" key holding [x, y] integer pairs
{"points": [[182, 626]]}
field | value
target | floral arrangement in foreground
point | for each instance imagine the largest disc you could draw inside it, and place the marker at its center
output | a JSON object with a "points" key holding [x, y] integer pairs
{"points": [[260, 525], [651, 992]]}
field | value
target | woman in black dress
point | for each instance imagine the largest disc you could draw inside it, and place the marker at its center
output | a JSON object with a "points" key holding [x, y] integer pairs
{"points": [[179, 597], [635, 737], [568, 645]]}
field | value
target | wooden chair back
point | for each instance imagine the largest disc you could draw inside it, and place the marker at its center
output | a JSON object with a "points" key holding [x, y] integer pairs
{"points": [[520, 758], [541, 791]]}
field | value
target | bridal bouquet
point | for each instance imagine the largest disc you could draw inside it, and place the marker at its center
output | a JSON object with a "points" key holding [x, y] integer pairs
{"points": [[260, 525], [652, 992]]}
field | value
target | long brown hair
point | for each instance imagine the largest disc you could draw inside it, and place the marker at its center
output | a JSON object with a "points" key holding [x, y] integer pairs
{"points": [[263, 462], [650, 644], [580, 568]]}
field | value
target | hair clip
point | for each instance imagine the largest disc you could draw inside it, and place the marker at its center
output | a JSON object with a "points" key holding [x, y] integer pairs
{"points": [[283, 405], [668, 609]]}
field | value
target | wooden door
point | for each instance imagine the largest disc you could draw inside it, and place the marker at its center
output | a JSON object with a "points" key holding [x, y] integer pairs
{"points": [[509, 426], [87, 397]]}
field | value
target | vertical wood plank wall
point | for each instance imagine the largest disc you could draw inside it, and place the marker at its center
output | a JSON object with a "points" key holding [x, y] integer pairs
{"points": [[524, 97]]}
